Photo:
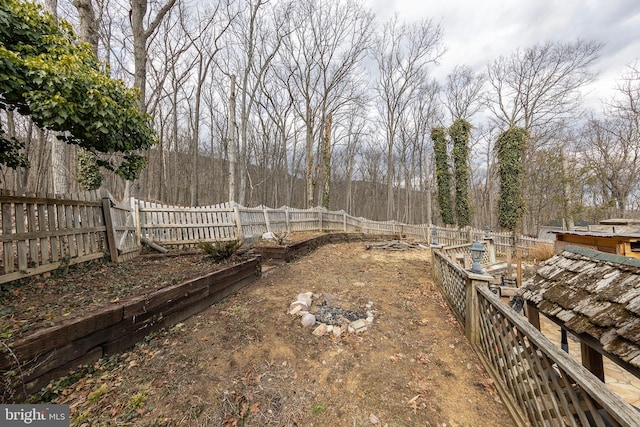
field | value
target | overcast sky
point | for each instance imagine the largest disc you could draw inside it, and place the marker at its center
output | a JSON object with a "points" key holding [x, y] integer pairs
{"points": [[478, 31]]}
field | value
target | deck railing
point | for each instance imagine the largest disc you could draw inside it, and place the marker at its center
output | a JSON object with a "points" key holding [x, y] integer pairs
{"points": [[539, 383]]}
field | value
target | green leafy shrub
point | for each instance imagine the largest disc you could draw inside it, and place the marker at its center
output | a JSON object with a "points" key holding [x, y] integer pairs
{"points": [[222, 250]]}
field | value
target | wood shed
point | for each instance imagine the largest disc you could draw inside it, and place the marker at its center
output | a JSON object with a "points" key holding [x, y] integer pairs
{"points": [[596, 297], [620, 243]]}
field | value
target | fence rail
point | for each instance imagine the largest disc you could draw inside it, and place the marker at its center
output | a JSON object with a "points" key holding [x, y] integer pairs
{"points": [[540, 384]]}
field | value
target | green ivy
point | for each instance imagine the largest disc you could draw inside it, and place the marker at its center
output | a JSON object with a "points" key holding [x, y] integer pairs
{"points": [[459, 134], [89, 175], [47, 74], [509, 149], [443, 176]]}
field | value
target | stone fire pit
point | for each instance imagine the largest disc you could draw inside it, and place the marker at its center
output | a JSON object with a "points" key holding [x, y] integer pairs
{"points": [[323, 313]]}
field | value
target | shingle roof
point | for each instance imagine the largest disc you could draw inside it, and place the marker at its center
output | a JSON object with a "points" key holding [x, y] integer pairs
{"points": [[597, 233], [593, 293]]}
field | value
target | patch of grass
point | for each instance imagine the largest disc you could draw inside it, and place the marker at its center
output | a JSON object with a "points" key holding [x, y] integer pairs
{"points": [[318, 408], [94, 396], [137, 400]]}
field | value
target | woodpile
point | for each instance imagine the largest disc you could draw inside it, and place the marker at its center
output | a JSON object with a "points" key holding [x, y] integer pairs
{"points": [[396, 245]]}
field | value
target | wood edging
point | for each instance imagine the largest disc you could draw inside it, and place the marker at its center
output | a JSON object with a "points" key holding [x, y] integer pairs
{"points": [[52, 352], [288, 253]]}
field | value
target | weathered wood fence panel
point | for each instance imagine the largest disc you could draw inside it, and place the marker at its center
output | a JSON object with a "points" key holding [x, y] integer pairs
{"points": [[41, 233], [253, 222], [333, 221], [277, 220], [185, 226], [122, 225], [376, 227], [305, 220]]}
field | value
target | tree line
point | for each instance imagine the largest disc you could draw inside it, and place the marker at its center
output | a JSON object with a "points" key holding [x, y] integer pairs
{"points": [[306, 103]]}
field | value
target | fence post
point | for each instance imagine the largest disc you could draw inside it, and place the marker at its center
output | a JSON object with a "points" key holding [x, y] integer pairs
{"points": [[236, 216], [286, 218], [135, 211], [266, 220], [472, 327], [490, 246], [111, 232], [471, 319], [320, 219], [344, 221]]}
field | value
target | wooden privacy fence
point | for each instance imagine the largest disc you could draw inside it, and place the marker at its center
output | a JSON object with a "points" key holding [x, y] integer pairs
{"points": [[174, 225], [41, 233], [540, 384]]}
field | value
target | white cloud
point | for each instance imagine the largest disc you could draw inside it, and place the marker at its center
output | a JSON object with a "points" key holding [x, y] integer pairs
{"points": [[478, 32]]}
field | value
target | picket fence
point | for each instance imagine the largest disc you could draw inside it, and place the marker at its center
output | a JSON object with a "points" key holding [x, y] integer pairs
{"points": [[41, 233]]}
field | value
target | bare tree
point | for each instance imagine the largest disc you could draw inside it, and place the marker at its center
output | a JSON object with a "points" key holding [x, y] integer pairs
{"points": [[259, 33], [540, 86], [538, 89], [276, 102], [205, 40], [463, 92], [611, 146], [413, 149], [404, 53], [322, 58], [231, 139]]}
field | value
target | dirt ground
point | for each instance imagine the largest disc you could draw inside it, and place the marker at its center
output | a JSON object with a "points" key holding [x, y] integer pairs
{"points": [[247, 362]]}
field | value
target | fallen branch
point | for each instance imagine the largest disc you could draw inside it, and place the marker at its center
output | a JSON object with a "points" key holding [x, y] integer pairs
{"points": [[154, 246], [395, 245]]}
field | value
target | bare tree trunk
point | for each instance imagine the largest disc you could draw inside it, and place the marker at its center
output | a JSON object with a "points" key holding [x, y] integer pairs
{"points": [[202, 69], [390, 173], [427, 190], [141, 37], [326, 159], [232, 144], [59, 166], [568, 215], [88, 27], [309, 152]]}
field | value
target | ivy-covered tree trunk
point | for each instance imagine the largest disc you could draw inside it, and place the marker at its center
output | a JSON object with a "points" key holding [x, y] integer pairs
{"points": [[459, 133], [443, 176], [510, 151]]}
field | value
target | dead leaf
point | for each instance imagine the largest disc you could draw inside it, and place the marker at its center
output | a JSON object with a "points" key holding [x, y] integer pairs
{"points": [[413, 403], [230, 421]]}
